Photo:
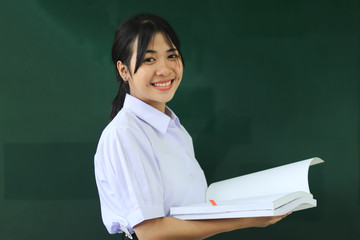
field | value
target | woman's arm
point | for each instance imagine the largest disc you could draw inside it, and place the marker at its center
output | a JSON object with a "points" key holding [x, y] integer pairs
{"points": [[173, 228]]}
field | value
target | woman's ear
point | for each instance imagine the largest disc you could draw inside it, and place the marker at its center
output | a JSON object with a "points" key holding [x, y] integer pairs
{"points": [[123, 71]]}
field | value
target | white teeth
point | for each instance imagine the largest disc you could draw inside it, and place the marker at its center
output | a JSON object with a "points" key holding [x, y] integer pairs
{"points": [[162, 84]]}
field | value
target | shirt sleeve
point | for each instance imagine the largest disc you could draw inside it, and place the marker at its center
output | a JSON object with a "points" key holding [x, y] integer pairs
{"points": [[128, 180]]}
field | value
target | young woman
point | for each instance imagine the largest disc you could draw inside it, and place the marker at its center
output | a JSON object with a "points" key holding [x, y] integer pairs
{"points": [[145, 162]]}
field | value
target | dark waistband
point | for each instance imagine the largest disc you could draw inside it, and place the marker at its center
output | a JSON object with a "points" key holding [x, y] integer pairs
{"points": [[133, 236]]}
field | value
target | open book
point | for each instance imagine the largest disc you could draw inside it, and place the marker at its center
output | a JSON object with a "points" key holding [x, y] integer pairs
{"points": [[271, 192]]}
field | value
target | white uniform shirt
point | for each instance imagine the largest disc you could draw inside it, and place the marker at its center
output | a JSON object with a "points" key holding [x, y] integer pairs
{"points": [[145, 164]]}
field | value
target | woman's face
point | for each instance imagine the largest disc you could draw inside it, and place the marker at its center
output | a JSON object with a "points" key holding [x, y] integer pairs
{"points": [[160, 74]]}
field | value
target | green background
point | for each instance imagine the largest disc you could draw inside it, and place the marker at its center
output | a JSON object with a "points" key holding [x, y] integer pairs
{"points": [[266, 83]]}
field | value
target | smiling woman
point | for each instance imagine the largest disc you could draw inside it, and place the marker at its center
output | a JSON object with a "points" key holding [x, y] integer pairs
{"points": [[145, 162], [135, 45], [157, 79]]}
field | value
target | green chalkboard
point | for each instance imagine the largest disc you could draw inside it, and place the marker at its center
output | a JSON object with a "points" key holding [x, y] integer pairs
{"points": [[266, 83]]}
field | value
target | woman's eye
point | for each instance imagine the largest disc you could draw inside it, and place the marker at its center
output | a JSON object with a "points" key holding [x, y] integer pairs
{"points": [[173, 56], [149, 60]]}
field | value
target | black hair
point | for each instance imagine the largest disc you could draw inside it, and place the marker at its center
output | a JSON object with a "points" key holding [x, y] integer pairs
{"points": [[144, 27]]}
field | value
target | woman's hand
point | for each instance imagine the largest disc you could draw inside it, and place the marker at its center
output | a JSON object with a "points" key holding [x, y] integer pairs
{"points": [[264, 221]]}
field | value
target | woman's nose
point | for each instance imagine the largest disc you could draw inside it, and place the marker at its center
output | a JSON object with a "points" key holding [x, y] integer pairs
{"points": [[163, 68]]}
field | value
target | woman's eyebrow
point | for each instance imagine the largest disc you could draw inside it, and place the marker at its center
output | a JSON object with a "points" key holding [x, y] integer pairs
{"points": [[172, 50], [153, 51]]}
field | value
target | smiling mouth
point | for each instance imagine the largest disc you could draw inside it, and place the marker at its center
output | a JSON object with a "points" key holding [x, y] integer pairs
{"points": [[163, 84]]}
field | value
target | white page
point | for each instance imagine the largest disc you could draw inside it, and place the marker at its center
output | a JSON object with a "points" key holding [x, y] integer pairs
{"points": [[268, 202], [287, 178], [299, 204]]}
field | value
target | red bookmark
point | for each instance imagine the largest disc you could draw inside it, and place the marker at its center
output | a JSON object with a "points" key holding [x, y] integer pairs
{"points": [[213, 202]]}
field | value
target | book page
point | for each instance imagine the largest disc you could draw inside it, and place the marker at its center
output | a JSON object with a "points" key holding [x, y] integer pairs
{"points": [[298, 204], [287, 178], [268, 202]]}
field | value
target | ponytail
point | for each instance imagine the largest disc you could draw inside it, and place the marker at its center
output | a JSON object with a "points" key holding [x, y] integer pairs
{"points": [[118, 101]]}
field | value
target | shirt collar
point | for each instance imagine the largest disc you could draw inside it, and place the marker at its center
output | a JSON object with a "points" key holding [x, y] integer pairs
{"points": [[149, 114]]}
